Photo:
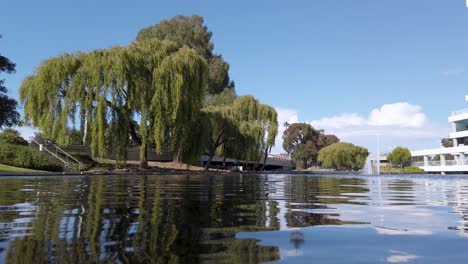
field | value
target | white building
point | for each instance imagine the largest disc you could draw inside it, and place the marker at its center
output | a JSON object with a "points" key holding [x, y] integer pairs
{"points": [[458, 153]]}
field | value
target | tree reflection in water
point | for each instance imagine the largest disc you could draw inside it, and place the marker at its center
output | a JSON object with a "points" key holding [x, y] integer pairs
{"points": [[158, 219]]}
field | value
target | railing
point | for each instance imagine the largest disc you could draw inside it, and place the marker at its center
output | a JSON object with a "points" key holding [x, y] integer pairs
{"points": [[459, 112], [58, 150], [435, 163], [418, 164]]}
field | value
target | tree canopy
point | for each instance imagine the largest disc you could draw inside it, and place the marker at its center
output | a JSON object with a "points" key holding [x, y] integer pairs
{"points": [[400, 156], [8, 114], [244, 129], [343, 156], [304, 142], [12, 136], [149, 90], [151, 93], [191, 32]]}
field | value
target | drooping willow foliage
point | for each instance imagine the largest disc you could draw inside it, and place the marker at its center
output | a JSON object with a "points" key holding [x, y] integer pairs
{"points": [[149, 92], [244, 130]]}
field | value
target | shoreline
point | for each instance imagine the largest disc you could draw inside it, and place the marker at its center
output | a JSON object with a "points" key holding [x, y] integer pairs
{"points": [[170, 172]]}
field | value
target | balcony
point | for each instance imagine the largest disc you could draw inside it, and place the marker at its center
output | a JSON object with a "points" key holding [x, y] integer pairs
{"points": [[438, 163], [460, 134]]}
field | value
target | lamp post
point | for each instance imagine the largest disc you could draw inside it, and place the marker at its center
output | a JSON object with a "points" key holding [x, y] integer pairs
{"points": [[378, 154]]}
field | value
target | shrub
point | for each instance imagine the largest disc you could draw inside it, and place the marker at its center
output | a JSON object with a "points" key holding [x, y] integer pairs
{"points": [[343, 156], [12, 136], [26, 157], [400, 156], [411, 169]]}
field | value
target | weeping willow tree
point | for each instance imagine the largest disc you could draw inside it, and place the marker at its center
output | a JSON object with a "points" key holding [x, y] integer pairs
{"points": [[149, 93], [244, 130]]}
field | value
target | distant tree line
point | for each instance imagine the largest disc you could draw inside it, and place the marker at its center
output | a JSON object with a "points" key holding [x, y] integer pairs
{"points": [[309, 146]]}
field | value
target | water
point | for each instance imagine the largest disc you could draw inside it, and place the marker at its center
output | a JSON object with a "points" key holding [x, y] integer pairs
{"points": [[234, 219]]}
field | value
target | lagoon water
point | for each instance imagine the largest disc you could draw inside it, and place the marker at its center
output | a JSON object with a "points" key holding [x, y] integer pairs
{"points": [[234, 219]]}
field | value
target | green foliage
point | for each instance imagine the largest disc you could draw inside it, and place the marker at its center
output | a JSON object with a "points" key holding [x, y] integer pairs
{"points": [[225, 98], [304, 142], [12, 136], [343, 156], [244, 129], [189, 31], [150, 91], [400, 156], [411, 169], [26, 157], [8, 114]]}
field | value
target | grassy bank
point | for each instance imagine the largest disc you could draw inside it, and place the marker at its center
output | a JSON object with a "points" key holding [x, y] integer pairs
{"points": [[27, 157], [6, 168], [405, 170]]}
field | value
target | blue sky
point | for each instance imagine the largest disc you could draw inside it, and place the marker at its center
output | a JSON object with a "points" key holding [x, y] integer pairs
{"points": [[321, 61]]}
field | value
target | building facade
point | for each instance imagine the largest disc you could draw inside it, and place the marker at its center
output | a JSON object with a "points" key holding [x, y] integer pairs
{"points": [[450, 159]]}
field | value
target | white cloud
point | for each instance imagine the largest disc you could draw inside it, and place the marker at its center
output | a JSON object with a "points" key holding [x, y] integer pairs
{"points": [[26, 131], [399, 124], [339, 121], [397, 114], [453, 72], [284, 115]]}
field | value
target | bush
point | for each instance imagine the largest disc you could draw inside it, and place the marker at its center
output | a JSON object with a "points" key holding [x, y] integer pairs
{"points": [[400, 156], [343, 156], [12, 136], [26, 157], [411, 169]]}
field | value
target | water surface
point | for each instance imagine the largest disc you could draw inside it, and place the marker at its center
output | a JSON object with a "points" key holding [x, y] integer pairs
{"points": [[234, 219]]}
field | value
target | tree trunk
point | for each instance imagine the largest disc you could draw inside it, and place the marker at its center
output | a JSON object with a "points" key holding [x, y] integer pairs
{"points": [[177, 156], [144, 161], [265, 159], [85, 132], [208, 163]]}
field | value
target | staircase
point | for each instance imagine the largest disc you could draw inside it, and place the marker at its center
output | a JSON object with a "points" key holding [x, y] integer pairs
{"points": [[60, 155]]}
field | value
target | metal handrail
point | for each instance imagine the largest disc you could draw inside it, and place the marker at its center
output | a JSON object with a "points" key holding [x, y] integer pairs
{"points": [[65, 153], [50, 152], [55, 154]]}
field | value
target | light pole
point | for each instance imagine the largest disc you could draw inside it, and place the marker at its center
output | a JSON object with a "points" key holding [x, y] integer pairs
{"points": [[378, 154]]}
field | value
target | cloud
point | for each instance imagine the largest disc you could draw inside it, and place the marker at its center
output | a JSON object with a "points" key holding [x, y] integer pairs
{"points": [[397, 114], [453, 72], [26, 131], [340, 121], [399, 124], [284, 115]]}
